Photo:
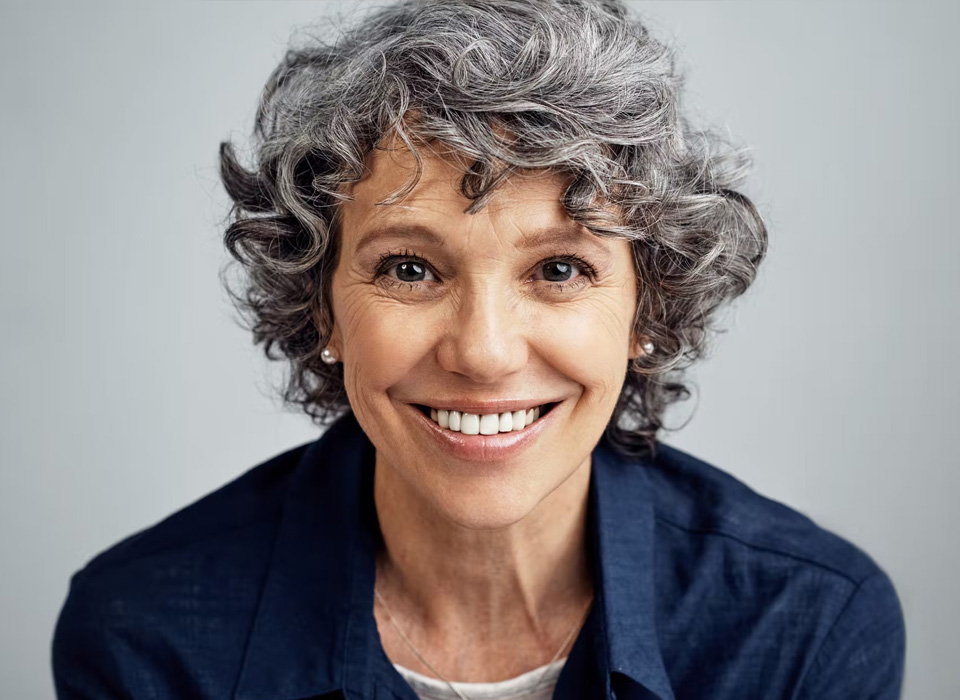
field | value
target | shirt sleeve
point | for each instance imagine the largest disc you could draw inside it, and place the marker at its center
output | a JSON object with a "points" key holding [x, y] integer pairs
{"points": [[862, 656], [82, 657]]}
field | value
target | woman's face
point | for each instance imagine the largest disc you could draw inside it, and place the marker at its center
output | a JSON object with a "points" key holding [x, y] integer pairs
{"points": [[494, 312]]}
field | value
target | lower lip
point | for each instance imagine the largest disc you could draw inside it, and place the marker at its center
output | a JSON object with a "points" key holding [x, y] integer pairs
{"points": [[485, 448]]}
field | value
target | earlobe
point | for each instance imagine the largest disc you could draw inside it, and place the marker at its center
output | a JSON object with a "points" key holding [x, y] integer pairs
{"points": [[330, 353]]}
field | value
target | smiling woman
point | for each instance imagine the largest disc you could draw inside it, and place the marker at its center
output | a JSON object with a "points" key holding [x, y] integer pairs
{"points": [[488, 244], [506, 303]]}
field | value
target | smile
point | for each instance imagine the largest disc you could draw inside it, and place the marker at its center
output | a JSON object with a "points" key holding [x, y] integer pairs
{"points": [[469, 441], [487, 423]]}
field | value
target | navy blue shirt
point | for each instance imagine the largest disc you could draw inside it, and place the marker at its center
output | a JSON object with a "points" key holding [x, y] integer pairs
{"points": [[263, 590]]}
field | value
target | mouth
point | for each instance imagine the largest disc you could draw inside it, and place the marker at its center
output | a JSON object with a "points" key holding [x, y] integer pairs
{"points": [[486, 424], [479, 439]]}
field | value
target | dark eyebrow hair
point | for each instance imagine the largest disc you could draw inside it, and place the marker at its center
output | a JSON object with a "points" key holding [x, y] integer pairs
{"points": [[537, 239]]}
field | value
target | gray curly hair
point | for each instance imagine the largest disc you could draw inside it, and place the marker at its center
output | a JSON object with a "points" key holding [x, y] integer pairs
{"points": [[573, 86]]}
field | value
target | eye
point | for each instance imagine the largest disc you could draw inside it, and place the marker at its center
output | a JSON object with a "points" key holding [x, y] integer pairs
{"points": [[568, 269], [404, 268], [410, 271], [559, 271]]}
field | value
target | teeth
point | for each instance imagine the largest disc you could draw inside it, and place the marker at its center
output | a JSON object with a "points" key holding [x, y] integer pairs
{"points": [[486, 424]]}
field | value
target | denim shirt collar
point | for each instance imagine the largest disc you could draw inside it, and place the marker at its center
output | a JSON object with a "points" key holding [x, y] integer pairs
{"points": [[314, 630]]}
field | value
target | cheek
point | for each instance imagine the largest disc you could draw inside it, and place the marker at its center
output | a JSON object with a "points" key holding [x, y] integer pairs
{"points": [[382, 339], [588, 342]]}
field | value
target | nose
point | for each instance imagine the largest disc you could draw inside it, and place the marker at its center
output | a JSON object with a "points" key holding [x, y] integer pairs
{"points": [[486, 339]]}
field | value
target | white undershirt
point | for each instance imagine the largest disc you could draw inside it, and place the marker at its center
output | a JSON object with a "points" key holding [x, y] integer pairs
{"points": [[521, 686]]}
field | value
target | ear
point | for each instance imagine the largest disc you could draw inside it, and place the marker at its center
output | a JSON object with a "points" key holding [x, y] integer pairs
{"points": [[334, 341], [335, 344], [635, 347]]}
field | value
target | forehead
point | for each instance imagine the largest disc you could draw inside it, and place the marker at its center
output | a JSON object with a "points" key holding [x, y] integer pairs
{"points": [[527, 197]]}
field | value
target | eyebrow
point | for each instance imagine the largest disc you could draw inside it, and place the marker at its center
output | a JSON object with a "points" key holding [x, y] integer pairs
{"points": [[537, 239]]}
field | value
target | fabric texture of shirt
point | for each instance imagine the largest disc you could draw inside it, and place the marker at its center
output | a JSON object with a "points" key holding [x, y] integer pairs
{"points": [[263, 590], [537, 684]]}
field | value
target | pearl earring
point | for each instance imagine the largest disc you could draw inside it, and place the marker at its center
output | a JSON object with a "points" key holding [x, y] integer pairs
{"points": [[328, 356], [648, 347]]}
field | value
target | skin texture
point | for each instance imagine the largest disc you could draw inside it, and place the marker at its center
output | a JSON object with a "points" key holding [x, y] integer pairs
{"points": [[484, 565]]}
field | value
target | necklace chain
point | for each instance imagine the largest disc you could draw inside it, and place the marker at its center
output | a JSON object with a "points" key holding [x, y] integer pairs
{"points": [[444, 678]]}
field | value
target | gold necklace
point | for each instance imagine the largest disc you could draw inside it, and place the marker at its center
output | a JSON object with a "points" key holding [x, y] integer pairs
{"points": [[444, 678]]}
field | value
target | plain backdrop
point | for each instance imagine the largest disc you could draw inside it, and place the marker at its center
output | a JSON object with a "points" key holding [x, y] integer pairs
{"points": [[128, 389]]}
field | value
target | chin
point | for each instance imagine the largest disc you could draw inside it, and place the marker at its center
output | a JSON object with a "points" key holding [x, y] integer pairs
{"points": [[489, 507]]}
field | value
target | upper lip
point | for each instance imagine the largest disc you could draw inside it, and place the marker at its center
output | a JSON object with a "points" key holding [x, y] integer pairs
{"points": [[485, 407]]}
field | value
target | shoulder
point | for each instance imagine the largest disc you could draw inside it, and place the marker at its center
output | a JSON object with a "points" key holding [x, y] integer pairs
{"points": [[698, 500], [741, 571], [249, 502], [189, 581]]}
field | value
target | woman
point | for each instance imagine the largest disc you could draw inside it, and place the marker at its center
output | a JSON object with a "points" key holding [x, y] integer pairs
{"points": [[489, 245]]}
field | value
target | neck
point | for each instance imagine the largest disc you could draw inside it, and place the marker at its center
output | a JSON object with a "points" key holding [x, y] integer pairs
{"points": [[506, 597]]}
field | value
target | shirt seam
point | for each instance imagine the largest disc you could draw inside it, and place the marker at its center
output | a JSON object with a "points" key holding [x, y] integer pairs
{"points": [[814, 666], [255, 615], [765, 548]]}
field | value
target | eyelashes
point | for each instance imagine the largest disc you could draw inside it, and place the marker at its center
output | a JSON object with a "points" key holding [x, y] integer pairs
{"points": [[389, 260]]}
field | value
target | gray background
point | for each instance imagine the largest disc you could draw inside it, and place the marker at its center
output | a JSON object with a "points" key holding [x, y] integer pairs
{"points": [[128, 391]]}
